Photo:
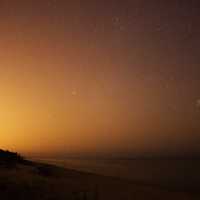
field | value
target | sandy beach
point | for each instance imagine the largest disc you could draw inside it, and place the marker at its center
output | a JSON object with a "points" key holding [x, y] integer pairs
{"points": [[43, 181]]}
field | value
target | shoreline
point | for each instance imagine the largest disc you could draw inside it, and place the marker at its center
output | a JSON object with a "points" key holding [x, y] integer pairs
{"points": [[177, 186], [155, 186], [63, 183]]}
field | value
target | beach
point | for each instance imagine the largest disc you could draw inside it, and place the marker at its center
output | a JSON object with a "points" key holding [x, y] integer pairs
{"points": [[35, 180]]}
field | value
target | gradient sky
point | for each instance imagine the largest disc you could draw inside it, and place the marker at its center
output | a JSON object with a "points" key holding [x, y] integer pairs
{"points": [[106, 77]]}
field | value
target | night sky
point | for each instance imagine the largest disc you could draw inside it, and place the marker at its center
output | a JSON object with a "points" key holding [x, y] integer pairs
{"points": [[100, 77]]}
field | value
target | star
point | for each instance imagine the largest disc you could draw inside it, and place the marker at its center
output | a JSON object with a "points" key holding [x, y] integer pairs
{"points": [[198, 103], [74, 93], [117, 23], [52, 3], [116, 20]]}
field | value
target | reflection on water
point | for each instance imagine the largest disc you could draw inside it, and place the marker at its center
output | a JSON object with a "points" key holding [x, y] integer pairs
{"points": [[183, 174]]}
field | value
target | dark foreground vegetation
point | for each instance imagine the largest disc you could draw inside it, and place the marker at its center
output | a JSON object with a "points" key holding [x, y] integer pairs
{"points": [[21, 179], [10, 159]]}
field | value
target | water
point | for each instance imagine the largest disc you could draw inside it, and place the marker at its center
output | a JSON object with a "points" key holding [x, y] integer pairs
{"points": [[171, 173]]}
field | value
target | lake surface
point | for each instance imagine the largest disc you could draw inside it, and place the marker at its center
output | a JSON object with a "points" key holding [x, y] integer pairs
{"points": [[171, 173]]}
